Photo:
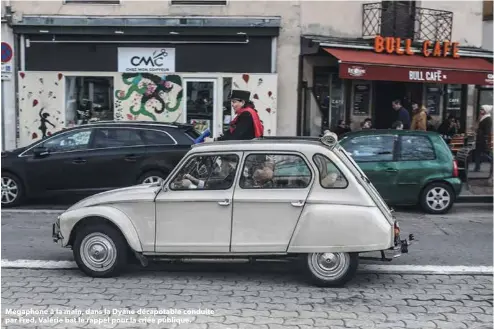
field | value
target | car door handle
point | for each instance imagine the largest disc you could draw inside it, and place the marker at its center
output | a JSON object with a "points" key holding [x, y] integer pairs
{"points": [[225, 202], [391, 170], [79, 161], [131, 157], [298, 203]]}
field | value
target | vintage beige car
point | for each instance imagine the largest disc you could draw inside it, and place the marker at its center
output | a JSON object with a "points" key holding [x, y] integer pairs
{"points": [[271, 197]]}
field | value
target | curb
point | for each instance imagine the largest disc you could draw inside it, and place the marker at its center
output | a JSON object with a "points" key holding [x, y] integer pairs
{"points": [[485, 198], [363, 268]]}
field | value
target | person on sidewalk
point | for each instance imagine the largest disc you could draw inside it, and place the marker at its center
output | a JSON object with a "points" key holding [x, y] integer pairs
{"points": [[484, 134], [419, 120], [402, 114], [246, 124]]}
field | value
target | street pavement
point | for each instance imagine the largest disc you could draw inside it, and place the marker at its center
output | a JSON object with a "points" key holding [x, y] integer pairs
{"points": [[242, 299], [462, 237]]}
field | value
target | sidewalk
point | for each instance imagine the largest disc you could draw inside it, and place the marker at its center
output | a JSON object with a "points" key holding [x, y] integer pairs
{"points": [[478, 182]]}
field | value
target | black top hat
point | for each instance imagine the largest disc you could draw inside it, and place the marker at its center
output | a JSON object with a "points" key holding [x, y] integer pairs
{"points": [[242, 95]]}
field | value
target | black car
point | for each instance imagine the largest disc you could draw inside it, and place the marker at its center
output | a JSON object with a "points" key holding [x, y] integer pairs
{"points": [[94, 157]]}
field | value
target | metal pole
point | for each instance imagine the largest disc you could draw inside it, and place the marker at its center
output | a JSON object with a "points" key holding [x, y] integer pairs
{"points": [[3, 116]]}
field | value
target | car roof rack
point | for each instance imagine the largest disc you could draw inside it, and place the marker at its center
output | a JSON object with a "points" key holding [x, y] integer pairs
{"points": [[150, 123]]}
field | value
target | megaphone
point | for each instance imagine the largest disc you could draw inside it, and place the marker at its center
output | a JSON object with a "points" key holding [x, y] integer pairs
{"points": [[203, 136]]}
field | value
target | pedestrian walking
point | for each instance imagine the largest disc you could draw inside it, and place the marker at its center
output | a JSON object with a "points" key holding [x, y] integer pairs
{"points": [[246, 124], [402, 114], [419, 119], [484, 134]]}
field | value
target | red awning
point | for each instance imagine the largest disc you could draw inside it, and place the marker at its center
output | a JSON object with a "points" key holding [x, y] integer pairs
{"points": [[368, 65]]}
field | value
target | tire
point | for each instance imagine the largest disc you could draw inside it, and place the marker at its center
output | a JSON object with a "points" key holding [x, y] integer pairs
{"points": [[151, 176], [11, 184], [437, 198], [99, 237], [344, 267]]}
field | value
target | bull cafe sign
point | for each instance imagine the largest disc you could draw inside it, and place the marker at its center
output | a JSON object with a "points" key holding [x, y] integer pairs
{"points": [[392, 45]]}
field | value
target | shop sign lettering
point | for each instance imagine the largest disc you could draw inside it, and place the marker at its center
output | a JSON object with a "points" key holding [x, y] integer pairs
{"points": [[356, 71], [432, 76], [152, 60], [398, 46], [490, 78]]}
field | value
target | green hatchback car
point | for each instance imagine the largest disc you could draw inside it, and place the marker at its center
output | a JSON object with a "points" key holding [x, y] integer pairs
{"points": [[407, 167]]}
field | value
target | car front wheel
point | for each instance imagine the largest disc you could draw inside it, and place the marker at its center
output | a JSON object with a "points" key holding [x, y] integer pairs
{"points": [[152, 177], [100, 250], [437, 198], [331, 269]]}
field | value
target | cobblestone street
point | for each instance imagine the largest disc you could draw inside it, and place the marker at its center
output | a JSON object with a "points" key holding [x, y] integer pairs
{"points": [[243, 299]]}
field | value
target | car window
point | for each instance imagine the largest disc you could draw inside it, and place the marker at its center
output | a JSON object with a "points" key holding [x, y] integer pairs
{"points": [[154, 137], [329, 175], [416, 148], [274, 171], [370, 148], [210, 172], [77, 140], [116, 137]]}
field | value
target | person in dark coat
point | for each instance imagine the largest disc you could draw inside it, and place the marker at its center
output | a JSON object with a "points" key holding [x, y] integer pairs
{"points": [[484, 133], [402, 114], [341, 129], [246, 124], [448, 128]]}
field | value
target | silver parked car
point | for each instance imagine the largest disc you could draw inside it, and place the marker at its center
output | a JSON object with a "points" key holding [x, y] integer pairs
{"points": [[276, 197]]}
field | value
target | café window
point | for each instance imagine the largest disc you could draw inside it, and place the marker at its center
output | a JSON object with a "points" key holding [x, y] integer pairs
{"points": [[453, 101], [88, 99], [485, 97], [329, 94]]}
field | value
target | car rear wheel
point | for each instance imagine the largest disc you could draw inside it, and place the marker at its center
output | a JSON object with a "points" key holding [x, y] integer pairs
{"points": [[437, 198], [12, 190], [331, 269], [152, 177], [100, 251]]}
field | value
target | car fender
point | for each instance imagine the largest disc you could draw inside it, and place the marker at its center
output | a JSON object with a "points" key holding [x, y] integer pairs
{"points": [[341, 228], [69, 219]]}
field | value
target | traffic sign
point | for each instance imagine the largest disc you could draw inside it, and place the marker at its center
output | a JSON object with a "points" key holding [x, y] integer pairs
{"points": [[7, 52]]}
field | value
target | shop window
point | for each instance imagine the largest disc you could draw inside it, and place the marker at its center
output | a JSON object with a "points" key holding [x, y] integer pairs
{"points": [[485, 97], [453, 101], [88, 99], [328, 91], [337, 110], [321, 93], [200, 103]]}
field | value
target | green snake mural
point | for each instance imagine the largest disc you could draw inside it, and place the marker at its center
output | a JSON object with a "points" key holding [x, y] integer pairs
{"points": [[155, 87]]}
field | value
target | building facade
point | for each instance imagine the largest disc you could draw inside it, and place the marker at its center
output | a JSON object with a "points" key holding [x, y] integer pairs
{"points": [[177, 60]]}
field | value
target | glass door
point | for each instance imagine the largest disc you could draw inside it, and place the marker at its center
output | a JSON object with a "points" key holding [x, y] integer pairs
{"points": [[201, 103]]}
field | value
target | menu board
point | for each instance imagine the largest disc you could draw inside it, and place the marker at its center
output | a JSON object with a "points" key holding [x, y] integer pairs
{"points": [[433, 99], [361, 99]]}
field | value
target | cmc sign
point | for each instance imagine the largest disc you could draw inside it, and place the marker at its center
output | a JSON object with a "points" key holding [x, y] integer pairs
{"points": [[398, 46], [150, 60]]}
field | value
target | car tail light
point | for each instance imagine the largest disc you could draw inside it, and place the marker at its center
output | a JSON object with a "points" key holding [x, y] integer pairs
{"points": [[397, 229], [455, 169]]}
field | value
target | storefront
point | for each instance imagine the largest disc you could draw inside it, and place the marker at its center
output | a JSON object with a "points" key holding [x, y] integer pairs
{"points": [[159, 69], [353, 80]]}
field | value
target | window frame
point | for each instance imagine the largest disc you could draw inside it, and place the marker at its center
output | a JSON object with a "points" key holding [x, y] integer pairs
{"points": [[275, 153], [186, 161], [394, 157], [400, 140], [319, 172]]}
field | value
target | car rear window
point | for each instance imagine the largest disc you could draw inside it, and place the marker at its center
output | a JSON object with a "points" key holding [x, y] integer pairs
{"points": [[154, 137], [416, 148]]}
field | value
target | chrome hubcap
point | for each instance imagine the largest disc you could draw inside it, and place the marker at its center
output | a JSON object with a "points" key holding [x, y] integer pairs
{"points": [[438, 198], [152, 180], [9, 190], [329, 266], [98, 252]]}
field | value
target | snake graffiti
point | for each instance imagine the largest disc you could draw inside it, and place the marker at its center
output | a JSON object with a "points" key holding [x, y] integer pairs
{"points": [[146, 96]]}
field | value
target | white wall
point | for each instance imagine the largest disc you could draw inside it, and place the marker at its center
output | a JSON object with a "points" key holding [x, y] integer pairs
{"points": [[9, 124], [487, 35]]}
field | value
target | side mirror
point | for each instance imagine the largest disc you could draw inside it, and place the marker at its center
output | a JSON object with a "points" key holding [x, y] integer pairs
{"points": [[40, 151]]}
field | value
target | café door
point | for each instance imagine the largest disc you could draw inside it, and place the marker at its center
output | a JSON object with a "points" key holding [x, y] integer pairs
{"points": [[201, 104]]}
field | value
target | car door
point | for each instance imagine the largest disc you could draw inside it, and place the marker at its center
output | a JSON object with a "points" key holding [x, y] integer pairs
{"points": [[118, 153], [64, 168], [194, 210], [376, 156], [269, 200], [416, 164]]}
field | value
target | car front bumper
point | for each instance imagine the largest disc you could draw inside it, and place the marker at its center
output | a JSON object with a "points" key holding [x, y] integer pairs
{"points": [[56, 234]]}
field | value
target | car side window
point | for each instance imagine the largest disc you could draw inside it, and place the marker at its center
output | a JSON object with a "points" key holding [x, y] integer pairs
{"points": [[78, 140], [154, 137], [210, 172], [275, 171], [416, 148], [371, 148], [329, 175], [116, 137]]}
